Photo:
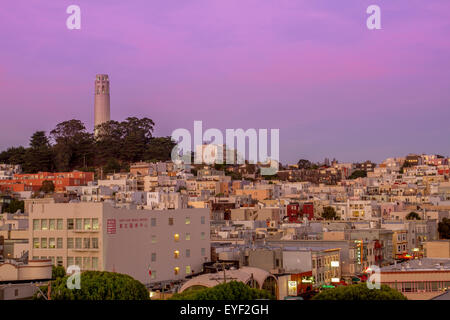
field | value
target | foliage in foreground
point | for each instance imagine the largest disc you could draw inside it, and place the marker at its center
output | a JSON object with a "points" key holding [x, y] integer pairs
{"points": [[232, 290], [98, 285], [360, 292]]}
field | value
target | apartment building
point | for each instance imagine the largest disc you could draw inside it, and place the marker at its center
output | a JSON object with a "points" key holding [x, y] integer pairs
{"points": [[149, 245]]}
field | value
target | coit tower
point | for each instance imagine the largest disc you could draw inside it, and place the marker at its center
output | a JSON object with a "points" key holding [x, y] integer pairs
{"points": [[101, 103]]}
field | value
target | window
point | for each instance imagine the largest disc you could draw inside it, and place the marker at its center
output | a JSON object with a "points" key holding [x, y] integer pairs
{"points": [[188, 236], [69, 224], [176, 270], [170, 221], [188, 220], [203, 252], [203, 236], [77, 243], [154, 239], [202, 219], [153, 257], [95, 224], [59, 261], [87, 243], [36, 243], [87, 224], [59, 224], [78, 261], [188, 270], [35, 224], [43, 243], [153, 222], [94, 243], [153, 275], [176, 237], [53, 260], [59, 243], [176, 254], [51, 243], [69, 243], [78, 224], [44, 224], [188, 253], [16, 292], [86, 263], [69, 261], [51, 224], [94, 263]]}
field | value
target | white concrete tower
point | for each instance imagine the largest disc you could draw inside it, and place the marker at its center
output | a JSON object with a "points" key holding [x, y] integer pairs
{"points": [[102, 100]]}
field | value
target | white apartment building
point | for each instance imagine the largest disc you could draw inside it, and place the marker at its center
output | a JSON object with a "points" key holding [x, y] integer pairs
{"points": [[149, 245]]}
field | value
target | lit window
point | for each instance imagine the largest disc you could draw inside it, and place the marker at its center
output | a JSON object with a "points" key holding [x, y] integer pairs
{"points": [[188, 236], [188, 220], [176, 237], [51, 224], [95, 224], [188, 270], [44, 224], [176, 254], [87, 224], [176, 270], [51, 243], [36, 243]]}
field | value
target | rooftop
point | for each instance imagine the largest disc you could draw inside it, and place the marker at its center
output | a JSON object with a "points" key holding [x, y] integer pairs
{"points": [[425, 264]]}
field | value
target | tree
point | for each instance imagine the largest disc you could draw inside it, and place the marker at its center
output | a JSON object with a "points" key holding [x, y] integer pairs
{"points": [[159, 149], [14, 205], [358, 174], [98, 285], [304, 164], [47, 187], [329, 213], [444, 228], [136, 138], [412, 216], [39, 156], [359, 292], [233, 290], [58, 272], [73, 145]]}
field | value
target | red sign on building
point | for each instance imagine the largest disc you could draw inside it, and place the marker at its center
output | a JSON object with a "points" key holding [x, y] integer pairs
{"points": [[111, 226]]}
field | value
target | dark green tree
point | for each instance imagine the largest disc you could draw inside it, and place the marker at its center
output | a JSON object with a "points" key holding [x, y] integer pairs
{"points": [[412, 216], [136, 138], [14, 205], [159, 149], [74, 146], [329, 213], [39, 156], [444, 228], [98, 285], [304, 164], [358, 174], [13, 155], [58, 272], [47, 187], [233, 290], [359, 292]]}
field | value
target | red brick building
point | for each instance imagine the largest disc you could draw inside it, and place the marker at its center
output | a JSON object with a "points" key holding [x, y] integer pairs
{"points": [[33, 181]]}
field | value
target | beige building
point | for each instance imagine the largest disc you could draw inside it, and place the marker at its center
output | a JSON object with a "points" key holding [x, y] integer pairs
{"points": [[149, 245], [437, 249]]}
